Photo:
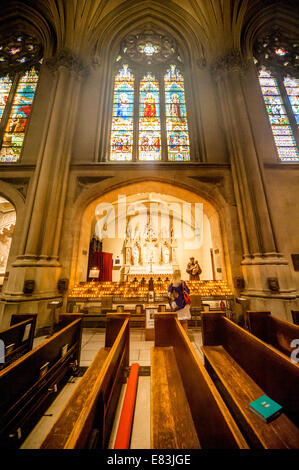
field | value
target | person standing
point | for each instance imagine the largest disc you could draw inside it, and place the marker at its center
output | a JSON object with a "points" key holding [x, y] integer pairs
{"points": [[177, 301]]}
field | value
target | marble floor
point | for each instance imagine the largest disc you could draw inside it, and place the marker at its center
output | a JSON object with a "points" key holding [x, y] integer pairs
{"points": [[92, 340]]}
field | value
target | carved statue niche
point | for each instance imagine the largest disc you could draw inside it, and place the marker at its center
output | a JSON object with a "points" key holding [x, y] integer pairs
{"points": [[136, 255]]}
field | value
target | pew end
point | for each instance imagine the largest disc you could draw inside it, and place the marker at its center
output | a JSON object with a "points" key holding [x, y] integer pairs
{"points": [[86, 420], [272, 330]]}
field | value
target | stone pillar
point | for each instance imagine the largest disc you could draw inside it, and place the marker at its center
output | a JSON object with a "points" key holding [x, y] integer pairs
{"points": [[38, 258], [262, 258]]}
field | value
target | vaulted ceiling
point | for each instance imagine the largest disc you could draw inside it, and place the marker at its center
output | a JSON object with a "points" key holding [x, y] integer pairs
{"points": [[205, 29]]}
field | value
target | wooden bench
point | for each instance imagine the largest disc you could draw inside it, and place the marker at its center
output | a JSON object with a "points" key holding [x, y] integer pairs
{"points": [[29, 384], [272, 330], [18, 338], [295, 315], [245, 368], [87, 419], [187, 411]]}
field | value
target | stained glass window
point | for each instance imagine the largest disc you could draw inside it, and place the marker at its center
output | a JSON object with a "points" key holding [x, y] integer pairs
{"points": [[5, 86], [15, 129], [176, 118], [121, 143], [281, 128], [292, 89], [149, 119]]}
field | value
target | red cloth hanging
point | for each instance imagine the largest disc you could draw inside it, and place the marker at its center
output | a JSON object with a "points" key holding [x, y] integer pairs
{"points": [[103, 262]]}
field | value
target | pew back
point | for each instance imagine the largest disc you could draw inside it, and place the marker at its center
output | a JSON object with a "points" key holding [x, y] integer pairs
{"points": [[214, 425], [20, 334], [26, 384], [272, 371], [272, 330], [87, 419], [295, 315]]}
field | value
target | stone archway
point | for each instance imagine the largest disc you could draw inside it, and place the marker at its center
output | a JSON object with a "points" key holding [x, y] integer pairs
{"points": [[168, 193], [7, 226]]}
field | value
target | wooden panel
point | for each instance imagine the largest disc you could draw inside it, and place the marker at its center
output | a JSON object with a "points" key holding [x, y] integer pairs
{"points": [[272, 330], [95, 409], [22, 390], [295, 315], [211, 328], [113, 325], [58, 435], [258, 324], [281, 334], [14, 381], [274, 372], [239, 389], [171, 421], [214, 424]]}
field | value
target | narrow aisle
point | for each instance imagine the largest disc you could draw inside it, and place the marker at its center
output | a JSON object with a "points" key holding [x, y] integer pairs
{"points": [[140, 438]]}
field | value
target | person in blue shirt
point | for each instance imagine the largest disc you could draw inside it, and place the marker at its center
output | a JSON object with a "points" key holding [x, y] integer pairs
{"points": [[177, 301]]}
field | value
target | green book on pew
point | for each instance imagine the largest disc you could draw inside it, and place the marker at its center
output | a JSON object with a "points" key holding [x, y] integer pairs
{"points": [[265, 408]]}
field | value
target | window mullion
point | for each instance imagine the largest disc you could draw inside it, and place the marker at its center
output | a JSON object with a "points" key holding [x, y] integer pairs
{"points": [[136, 116], [163, 119]]}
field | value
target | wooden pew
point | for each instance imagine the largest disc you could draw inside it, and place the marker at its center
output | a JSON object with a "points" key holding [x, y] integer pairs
{"points": [[28, 385], [272, 330], [187, 411], [19, 336], [87, 419], [295, 315], [245, 368]]}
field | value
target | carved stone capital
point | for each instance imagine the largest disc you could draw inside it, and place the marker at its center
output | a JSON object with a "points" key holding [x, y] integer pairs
{"points": [[66, 59], [231, 62]]}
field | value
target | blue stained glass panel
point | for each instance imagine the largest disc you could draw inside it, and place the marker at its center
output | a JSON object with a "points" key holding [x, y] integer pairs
{"points": [[292, 88], [176, 116], [282, 131], [121, 139]]}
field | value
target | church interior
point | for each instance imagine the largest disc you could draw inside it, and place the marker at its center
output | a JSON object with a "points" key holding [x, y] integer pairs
{"points": [[149, 256]]}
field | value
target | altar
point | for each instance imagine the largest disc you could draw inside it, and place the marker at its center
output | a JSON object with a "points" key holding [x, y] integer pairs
{"points": [[149, 254]]}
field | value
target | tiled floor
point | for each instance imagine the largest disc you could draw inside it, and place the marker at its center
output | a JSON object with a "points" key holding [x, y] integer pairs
{"points": [[92, 340]]}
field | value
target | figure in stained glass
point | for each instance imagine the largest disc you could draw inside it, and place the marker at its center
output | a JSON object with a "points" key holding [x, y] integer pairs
{"points": [[175, 107], [149, 105], [123, 106]]}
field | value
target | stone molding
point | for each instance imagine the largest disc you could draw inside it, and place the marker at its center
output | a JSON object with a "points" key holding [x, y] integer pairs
{"points": [[66, 59], [231, 62]]}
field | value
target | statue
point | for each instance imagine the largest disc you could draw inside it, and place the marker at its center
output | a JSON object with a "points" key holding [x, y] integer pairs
{"points": [[136, 255], [166, 255], [193, 269]]}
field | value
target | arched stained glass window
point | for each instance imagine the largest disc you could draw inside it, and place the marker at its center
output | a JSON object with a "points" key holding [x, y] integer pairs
{"points": [[277, 60], [149, 118], [281, 128], [176, 116], [20, 57]]}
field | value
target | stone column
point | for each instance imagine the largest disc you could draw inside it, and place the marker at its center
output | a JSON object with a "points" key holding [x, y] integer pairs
{"points": [[39, 253], [262, 258]]}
